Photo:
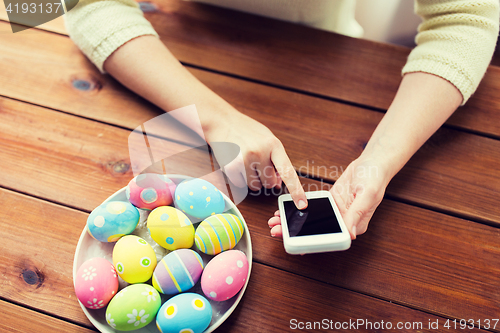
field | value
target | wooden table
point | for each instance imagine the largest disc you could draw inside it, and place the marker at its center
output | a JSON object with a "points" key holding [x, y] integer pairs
{"points": [[432, 250]]}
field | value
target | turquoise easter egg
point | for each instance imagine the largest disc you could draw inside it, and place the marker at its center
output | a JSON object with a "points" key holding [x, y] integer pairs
{"points": [[186, 312], [112, 220], [199, 198]]}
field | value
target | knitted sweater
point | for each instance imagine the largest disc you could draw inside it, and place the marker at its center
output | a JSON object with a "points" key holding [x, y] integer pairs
{"points": [[455, 41]]}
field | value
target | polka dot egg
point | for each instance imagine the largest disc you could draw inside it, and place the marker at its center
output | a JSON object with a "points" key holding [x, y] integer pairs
{"points": [[170, 228], [177, 272], [134, 307], [199, 198], [218, 233], [184, 313], [134, 259], [96, 283], [112, 220], [225, 275], [150, 190]]}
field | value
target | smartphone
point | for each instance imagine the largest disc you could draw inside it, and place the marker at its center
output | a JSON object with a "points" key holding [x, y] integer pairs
{"points": [[318, 228]]}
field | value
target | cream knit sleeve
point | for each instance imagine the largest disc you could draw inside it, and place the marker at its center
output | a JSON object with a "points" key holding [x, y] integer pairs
{"points": [[99, 27], [455, 41]]}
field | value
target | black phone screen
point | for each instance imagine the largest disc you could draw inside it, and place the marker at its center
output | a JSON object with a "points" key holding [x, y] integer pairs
{"points": [[317, 218]]}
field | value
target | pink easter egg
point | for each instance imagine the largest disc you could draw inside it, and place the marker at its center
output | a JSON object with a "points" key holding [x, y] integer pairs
{"points": [[96, 283], [150, 190], [225, 275]]}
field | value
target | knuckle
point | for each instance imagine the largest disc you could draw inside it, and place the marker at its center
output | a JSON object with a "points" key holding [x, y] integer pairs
{"points": [[274, 142]]}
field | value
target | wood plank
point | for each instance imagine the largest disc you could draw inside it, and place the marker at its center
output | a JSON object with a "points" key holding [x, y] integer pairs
{"points": [[411, 256], [15, 318], [95, 154], [301, 58], [453, 163], [75, 84], [275, 302], [432, 261], [451, 166]]}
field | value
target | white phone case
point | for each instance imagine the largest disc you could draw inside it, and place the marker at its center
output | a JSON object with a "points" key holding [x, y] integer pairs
{"points": [[314, 243]]}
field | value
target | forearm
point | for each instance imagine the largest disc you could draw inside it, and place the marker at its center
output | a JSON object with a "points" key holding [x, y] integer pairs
{"points": [[147, 67], [422, 104]]}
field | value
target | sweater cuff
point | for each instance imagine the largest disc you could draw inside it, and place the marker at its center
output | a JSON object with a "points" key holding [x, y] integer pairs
{"points": [[112, 42], [444, 70]]}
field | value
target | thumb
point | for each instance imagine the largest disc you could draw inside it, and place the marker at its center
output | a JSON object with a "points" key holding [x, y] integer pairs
{"points": [[359, 213]]}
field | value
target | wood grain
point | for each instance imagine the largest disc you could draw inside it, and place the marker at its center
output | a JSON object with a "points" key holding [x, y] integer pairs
{"points": [[431, 261], [409, 255], [275, 295], [300, 58], [16, 319], [57, 149], [75, 85], [454, 165]]}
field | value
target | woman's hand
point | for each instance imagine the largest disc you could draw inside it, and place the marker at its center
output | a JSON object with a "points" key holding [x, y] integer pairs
{"points": [[357, 193], [422, 104], [262, 162]]}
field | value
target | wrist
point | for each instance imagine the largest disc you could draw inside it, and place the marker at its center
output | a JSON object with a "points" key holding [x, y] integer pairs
{"points": [[385, 164]]}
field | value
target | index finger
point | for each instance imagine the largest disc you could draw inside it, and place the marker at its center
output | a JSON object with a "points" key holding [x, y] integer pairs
{"points": [[289, 176]]}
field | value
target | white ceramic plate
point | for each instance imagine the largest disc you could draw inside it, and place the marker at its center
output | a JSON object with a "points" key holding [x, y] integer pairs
{"points": [[88, 248]]}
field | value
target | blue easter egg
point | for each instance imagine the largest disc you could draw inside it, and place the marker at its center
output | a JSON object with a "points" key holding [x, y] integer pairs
{"points": [[199, 198], [186, 312], [112, 220]]}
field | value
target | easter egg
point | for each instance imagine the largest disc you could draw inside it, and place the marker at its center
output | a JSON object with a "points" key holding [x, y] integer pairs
{"points": [[150, 190], [112, 220], [225, 275], [96, 283], [186, 312], [170, 228], [178, 271], [218, 233], [134, 307], [199, 198], [134, 259]]}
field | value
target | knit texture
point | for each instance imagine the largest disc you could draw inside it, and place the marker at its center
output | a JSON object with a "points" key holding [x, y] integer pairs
{"points": [[100, 27], [456, 41]]}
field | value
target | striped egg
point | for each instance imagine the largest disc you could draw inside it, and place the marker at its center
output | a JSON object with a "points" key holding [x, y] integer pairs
{"points": [[177, 272], [218, 233]]}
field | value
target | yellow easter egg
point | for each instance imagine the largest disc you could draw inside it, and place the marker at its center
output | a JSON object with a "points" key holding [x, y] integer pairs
{"points": [[170, 228], [134, 259]]}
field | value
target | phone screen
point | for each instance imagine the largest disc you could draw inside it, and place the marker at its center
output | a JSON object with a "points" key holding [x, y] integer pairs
{"points": [[317, 218]]}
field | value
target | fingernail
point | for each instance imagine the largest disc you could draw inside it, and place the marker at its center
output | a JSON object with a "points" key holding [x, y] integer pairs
{"points": [[354, 230], [273, 235], [302, 204]]}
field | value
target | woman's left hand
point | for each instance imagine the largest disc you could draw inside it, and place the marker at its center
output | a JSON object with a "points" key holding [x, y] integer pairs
{"points": [[357, 193]]}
